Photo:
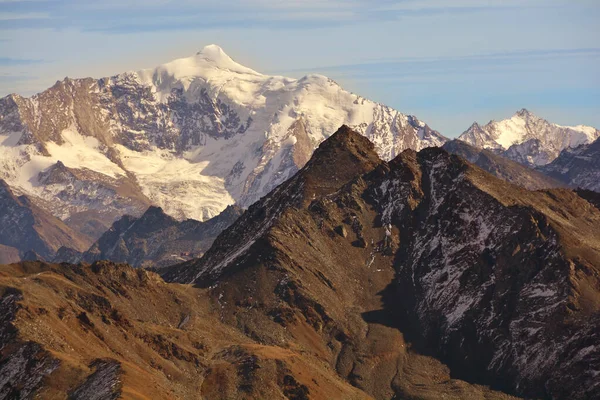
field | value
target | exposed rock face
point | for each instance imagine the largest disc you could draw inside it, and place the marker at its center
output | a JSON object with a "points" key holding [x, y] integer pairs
{"points": [[191, 136], [103, 384], [25, 227], [579, 167], [89, 201], [502, 167], [528, 139], [154, 240], [501, 283], [24, 364], [493, 276]]}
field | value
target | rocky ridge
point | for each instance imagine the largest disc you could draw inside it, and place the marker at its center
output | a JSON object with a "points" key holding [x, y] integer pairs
{"points": [[501, 283], [502, 167], [154, 239]]}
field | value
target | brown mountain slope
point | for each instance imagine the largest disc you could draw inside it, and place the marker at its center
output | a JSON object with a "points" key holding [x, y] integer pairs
{"points": [[500, 283], [307, 296], [109, 331]]}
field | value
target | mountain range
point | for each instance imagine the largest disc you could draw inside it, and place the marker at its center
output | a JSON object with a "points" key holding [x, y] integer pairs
{"points": [[421, 277], [527, 138], [27, 231], [191, 136], [198, 134]]}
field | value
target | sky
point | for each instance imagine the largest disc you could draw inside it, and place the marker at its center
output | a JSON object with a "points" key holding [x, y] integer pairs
{"points": [[449, 62]]}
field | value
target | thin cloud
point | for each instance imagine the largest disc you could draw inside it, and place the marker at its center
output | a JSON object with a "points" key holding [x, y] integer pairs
{"points": [[444, 63], [136, 16], [9, 62]]}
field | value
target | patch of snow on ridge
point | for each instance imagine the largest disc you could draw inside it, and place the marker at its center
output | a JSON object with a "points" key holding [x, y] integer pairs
{"points": [[83, 152]]}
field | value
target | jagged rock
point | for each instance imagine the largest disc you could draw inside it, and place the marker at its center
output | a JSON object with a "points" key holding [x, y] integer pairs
{"points": [[103, 384]]}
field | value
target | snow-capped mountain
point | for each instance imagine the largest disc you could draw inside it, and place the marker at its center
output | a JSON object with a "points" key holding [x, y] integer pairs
{"points": [[527, 138], [191, 136]]}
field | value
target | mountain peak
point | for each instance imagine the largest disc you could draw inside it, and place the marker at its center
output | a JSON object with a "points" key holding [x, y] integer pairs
{"points": [[214, 52], [346, 140], [340, 158], [524, 113]]}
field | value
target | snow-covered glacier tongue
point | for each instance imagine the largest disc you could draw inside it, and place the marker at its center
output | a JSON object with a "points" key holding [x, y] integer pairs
{"points": [[191, 136]]}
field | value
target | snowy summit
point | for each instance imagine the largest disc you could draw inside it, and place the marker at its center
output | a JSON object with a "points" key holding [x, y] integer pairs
{"points": [[192, 136]]}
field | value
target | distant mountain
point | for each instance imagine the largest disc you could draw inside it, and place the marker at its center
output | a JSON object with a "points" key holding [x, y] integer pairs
{"points": [[153, 240], [580, 167], [502, 167], [528, 139], [25, 228], [191, 136], [354, 255]]}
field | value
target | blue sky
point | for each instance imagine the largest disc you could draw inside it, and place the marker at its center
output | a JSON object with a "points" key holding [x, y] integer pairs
{"points": [[450, 62]]}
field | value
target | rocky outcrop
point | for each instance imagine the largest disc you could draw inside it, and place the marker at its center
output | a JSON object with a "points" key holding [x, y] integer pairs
{"points": [[106, 331], [24, 364]]}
